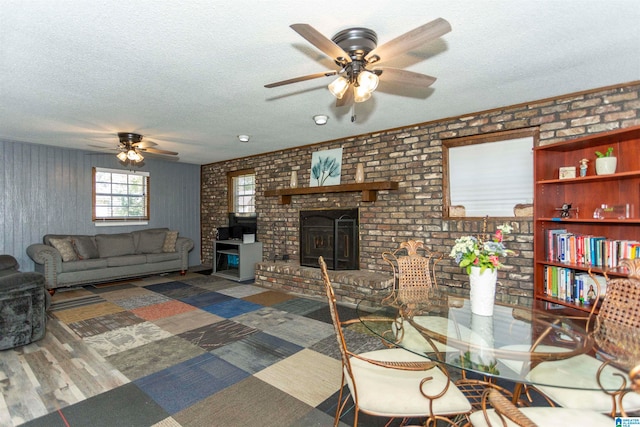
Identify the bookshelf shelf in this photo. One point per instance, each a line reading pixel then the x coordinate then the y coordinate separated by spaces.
pixel 629 221
pixel 586 194
pixel 592 178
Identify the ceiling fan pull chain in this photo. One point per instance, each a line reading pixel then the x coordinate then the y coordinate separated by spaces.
pixel 353 112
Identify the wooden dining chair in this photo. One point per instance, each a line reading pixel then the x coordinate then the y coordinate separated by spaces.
pixel 392 382
pixel 498 411
pixel 414 282
pixel 634 375
pixel 414 277
pixel 616 336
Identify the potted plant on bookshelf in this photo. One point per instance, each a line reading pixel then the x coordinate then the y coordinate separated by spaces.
pixel 480 258
pixel 606 162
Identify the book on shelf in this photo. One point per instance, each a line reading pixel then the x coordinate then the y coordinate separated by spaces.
pixel 552 244
pixel 584 249
pixel 568 285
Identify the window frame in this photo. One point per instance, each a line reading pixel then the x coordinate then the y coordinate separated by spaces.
pixel 502 136
pixel 120 220
pixel 231 189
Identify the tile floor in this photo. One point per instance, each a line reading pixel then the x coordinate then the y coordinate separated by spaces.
pixel 190 350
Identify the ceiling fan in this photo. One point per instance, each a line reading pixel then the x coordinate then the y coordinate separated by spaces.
pixel 131 148
pixel 356 52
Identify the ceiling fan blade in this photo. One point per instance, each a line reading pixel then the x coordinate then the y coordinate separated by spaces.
pixel 410 40
pixel 144 144
pixel 302 78
pixel 161 156
pixel 158 151
pixel 102 147
pixel 404 77
pixel 347 98
pixel 327 46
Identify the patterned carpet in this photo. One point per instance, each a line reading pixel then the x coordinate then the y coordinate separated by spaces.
pixel 184 351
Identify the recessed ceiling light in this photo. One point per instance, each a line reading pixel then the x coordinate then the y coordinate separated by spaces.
pixel 320 119
pixel 243 138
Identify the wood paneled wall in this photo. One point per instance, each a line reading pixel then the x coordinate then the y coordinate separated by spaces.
pixel 46 189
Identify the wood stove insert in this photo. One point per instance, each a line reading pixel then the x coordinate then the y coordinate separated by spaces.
pixel 332 234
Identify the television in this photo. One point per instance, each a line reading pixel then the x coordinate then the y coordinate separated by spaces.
pixel 240 224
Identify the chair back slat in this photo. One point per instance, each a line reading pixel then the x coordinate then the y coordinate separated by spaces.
pixel 617 325
pixel 413 272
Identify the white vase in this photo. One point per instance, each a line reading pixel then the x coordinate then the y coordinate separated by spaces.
pixel 483 291
pixel 294 179
pixel 359 173
pixel 606 165
pixel 482 340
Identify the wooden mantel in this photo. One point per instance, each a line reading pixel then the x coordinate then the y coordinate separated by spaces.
pixel 369 190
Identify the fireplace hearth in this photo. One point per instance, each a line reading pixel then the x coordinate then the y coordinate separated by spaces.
pixel 332 234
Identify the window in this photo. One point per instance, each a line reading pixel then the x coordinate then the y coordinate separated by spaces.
pixel 120 195
pixel 242 191
pixel 489 175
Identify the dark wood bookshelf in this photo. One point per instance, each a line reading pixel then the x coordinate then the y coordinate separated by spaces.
pixel 586 194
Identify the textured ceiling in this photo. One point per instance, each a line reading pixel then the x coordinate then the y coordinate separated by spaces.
pixel 190 75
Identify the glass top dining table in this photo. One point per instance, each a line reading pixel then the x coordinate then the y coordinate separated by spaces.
pixel 507 345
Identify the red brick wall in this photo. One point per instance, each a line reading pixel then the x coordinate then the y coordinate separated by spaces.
pixel 412 156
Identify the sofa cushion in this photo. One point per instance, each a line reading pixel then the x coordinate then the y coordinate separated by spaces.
pixel 87 264
pixel 85 247
pixel 115 245
pixel 150 242
pixel 170 241
pixel 122 261
pixel 65 247
pixel 165 256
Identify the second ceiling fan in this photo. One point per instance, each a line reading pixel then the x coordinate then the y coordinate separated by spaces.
pixel 132 146
pixel 356 52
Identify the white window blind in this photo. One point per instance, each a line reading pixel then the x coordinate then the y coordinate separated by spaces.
pixel 490 178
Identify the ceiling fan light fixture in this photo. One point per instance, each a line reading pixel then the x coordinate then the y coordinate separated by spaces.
pixel 360 94
pixel 132 155
pixel 321 119
pixel 368 81
pixel 122 156
pixel 339 87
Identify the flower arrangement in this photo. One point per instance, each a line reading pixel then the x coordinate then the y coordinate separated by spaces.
pixel 471 251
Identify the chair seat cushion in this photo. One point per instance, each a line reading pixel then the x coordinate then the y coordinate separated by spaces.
pixel 396 393
pixel 520 351
pixel 413 340
pixel 580 372
pixel 547 417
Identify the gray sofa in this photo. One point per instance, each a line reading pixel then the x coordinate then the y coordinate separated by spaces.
pixel 67 260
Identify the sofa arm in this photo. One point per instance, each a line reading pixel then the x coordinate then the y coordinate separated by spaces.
pixel 183 246
pixel 48 262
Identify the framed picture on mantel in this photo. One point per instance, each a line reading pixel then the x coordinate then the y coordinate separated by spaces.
pixel 326 167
